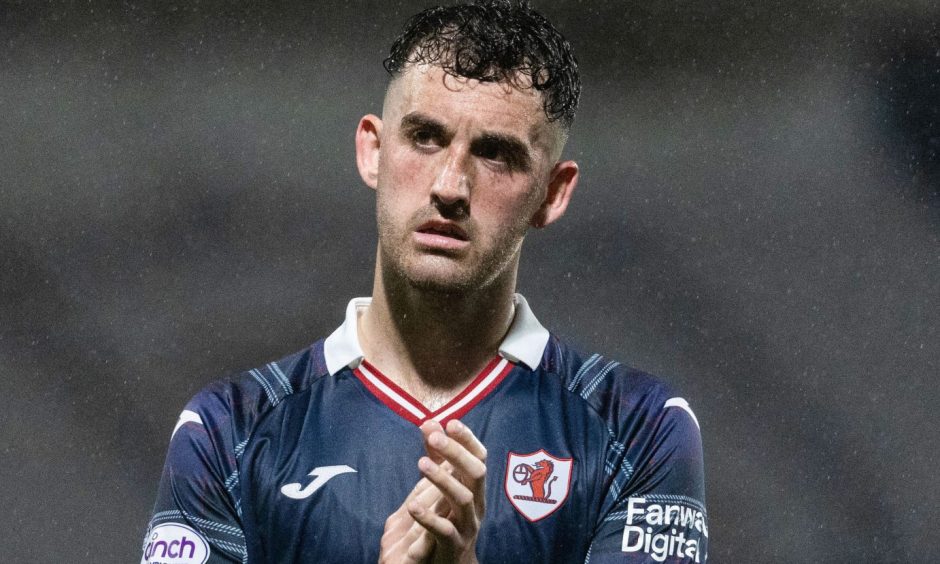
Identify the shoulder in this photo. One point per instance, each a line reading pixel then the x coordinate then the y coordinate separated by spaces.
pixel 618 392
pixel 234 404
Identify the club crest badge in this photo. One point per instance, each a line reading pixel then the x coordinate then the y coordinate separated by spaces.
pixel 537 484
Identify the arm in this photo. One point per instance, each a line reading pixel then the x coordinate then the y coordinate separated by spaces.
pixel 195 518
pixel 655 509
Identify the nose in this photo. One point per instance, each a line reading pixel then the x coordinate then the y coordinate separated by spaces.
pixel 451 190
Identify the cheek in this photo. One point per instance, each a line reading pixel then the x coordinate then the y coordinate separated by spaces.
pixel 394 192
pixel 511 205
pixel 391 212
pixel 402 170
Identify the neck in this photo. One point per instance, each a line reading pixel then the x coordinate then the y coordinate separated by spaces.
pixel 432 343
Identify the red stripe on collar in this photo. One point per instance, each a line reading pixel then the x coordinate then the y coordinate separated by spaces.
pixel 406 406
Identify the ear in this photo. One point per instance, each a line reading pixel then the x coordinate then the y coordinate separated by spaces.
pixel 561 183
pixel 368 143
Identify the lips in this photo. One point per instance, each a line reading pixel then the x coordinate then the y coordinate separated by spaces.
pixel 439 236
pixel 443 229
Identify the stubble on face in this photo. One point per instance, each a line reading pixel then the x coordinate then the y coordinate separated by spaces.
pixel 439 272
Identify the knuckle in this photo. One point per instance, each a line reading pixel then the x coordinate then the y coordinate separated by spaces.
pixel 450 531
pixel 478 471
pixel 464 497
pixel 414 552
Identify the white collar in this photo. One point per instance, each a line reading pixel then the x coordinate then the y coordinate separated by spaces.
pixel 524 342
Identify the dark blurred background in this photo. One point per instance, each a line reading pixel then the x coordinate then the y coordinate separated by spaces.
pixel 757 222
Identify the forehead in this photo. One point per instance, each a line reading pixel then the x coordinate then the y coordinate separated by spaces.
pixel 463 102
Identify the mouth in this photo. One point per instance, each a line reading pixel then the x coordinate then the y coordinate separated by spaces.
pixel 443 229
pixel 441 237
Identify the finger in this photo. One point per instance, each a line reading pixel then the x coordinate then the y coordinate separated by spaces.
pixel 428 427
pixel 398 523
pixel 397 527
pixel 403 535
pixel 463 435
pixel 468 467
pixel 461 498
pixel 421 544
pixel 418 539
pixel 413 548
pixel 438 526
pixel 398 532
pixel 423 487
pixel 430 497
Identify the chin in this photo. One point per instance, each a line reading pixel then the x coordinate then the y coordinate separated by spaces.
pixel 441 274
pixel 440 282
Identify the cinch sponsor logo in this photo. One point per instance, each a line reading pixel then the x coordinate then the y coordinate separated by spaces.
pixel 173 543
pixel 685 524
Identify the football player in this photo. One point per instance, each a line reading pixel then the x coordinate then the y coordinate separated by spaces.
pixel 441 422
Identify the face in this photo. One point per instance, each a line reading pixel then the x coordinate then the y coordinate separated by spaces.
pixel 461 170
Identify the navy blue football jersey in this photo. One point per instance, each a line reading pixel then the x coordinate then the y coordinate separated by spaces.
pixel 302 460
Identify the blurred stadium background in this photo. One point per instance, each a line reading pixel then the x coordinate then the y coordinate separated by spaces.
pixel 758 222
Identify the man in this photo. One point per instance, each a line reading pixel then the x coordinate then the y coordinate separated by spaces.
pixel 441 422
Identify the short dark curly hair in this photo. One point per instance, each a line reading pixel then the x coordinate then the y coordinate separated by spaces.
pixel 493 41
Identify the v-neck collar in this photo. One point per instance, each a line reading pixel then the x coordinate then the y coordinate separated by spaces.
pixel 524 343
pixel 405 405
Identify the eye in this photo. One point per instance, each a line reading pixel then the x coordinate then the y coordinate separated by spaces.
pixel 491 151
pixel 424 138
pixel 501 152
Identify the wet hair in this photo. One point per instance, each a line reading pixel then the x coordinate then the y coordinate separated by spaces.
pixel 494 41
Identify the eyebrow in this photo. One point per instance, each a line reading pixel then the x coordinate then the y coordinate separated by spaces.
pixel 515 150
pixel 416 120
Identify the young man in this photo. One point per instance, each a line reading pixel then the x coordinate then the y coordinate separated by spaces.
pixel 441 422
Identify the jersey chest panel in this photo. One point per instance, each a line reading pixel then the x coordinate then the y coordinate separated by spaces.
pixel 352 461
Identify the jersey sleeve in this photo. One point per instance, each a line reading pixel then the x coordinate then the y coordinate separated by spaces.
pixel 654 509
pixel 196 518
